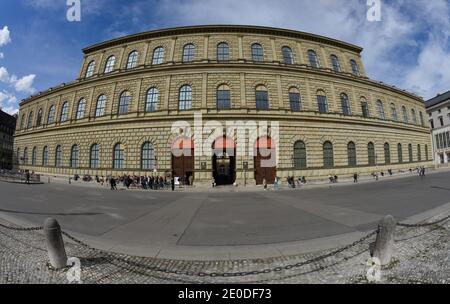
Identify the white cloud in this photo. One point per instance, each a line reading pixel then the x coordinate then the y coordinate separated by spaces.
pixel 8 102
pixel 4 36
pixel 4 75
pixel 25 84
pixel 2 55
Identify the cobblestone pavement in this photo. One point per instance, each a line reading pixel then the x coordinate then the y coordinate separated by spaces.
pixel 421 255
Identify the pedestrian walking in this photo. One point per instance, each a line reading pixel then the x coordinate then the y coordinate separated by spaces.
pixel 355 178
pixel 276 183
pixel 112 181
pixel 191 180
pixel 27 176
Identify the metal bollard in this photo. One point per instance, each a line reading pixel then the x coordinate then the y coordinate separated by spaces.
pixel 55 244
pixel 384 242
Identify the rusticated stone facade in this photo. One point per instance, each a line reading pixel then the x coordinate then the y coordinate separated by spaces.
pixel 279 73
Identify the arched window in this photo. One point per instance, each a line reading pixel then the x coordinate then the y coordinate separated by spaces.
pixel 25 156
pixel 94 157
pixel 189 52
pixel 387 154
pixel 262 98
pixel 30 120
pixel 313 60
pixel 158 55
pixel 257 52
pixel 33 156
pixel 288 57
pixel 124 102
pixel 351 152
pixel 64 112
pixel 335 63
pixel 90 69
pixel 414 117
pixel 400 153
pixel 419 153
pixel 410 153
pixel 223 97
pixel 394 112
pixel 185 98
pixel 148 160
pixel 151 102
pixel 405 114
pixel 426 153
pixel 81 108
pixel 345 104
pixel 300 155
pixel 371 154
pixel 51 115
pixel 22 122
pixel 118 157
pixel 380 109
pixel 355 68
pixel 223 51
pixel 422 122
pixel 109 67
pixel 74 153
pixel 39 118
pixel 295 100
pixel 58 157
pixel 328 155
pixel 100 106
pixel 45 156
pixel 132 60
pixel 364 107
pixel 322 101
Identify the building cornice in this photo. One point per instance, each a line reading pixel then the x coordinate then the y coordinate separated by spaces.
pixel 209 29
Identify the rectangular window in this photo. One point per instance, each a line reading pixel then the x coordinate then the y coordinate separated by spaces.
pixel 262 100
pixel 322 103
pixel 432 124
pixel 365 109
pixel 223 99
pixel 294 100
pixel 441 121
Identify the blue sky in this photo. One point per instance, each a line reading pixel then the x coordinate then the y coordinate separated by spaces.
pixel 39 48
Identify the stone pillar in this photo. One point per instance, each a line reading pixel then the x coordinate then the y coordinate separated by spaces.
pixel 384 243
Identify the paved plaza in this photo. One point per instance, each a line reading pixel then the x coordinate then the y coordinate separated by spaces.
pixel 209 225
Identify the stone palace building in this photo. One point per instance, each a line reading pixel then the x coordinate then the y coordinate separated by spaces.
pixel 324 115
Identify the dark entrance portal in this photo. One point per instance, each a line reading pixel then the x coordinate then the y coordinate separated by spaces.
pixel 224 161
pixel 264 160
pixel 183 159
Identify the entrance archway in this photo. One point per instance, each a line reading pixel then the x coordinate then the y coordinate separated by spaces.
pixel 224 161
pixel 183 158
pixel 265 160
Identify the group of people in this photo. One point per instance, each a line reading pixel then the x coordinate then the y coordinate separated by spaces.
pixel 144 182
pixel 421 171
pixel 333 179
pixel 293 183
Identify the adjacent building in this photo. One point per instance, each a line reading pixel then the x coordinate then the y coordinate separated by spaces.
pixel 438 109
pixel 7 127
pixel 324 115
